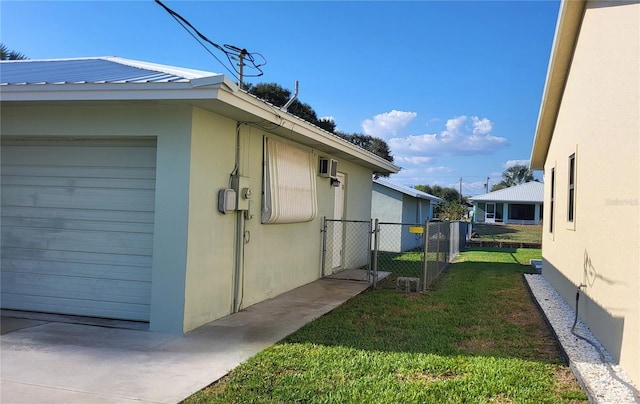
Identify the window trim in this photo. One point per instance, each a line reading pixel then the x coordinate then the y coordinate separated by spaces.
pixel 571 189
pixel 552 200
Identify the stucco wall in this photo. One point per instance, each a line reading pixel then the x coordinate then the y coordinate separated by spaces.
pixel 211 242
pixel 599 121
pixel 280 257
pixel 171 126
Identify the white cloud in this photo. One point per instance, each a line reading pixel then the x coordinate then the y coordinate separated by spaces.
pixel 387 124
pixel 327 118
pixel 459 138
pixel 511 163
pixel 481 126
pixel 399 160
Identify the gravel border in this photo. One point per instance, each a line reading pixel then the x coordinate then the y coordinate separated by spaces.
pixel 603 381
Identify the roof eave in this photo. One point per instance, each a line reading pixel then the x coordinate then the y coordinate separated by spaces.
pixel 209 93
pixel 567 29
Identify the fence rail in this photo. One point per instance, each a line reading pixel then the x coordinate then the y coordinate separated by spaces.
pixel 390 255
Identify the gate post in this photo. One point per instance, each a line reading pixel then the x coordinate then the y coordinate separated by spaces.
pixel 438 249
pixel 374 258
pixel 425 250
pixel 323 230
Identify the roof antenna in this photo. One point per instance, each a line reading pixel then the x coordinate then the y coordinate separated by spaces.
pixel 291 100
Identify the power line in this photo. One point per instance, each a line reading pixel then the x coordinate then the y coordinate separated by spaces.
pixel 231 52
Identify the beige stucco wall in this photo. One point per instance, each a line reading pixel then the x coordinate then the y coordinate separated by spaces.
pixel 599 120
pixel 280 257
pixel 210 242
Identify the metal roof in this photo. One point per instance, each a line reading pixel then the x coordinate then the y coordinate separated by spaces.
pixel 407 190
pixel 113 79
pixel 528 192
pixel 93 70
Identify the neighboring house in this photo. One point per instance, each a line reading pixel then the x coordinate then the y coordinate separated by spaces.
pixel 520 204
pixel 136 191
pixel 393 203
pixel 587 142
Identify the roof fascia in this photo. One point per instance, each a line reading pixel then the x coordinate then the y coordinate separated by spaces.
pixel 567 30
pixel 202 92
pixel 287 125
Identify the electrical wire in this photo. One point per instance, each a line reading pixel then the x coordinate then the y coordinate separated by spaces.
pixel 574 332
pixel 230 51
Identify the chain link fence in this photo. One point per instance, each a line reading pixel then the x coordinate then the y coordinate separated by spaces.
pixel 346 250
pixel 390 255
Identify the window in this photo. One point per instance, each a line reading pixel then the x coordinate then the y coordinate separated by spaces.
pixel 289 189
pixel 521 211
pixel 552 198
pixel 572 188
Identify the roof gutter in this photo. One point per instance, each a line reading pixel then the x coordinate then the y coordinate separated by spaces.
pixel 567 30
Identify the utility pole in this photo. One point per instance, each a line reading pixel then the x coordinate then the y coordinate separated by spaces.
pixel 241 54
pixel 487 184
pixel 461 190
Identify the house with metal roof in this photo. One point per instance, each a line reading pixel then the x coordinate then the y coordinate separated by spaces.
pixel 161 195
pixel 587 142
pixel 404 206
pixel 520 204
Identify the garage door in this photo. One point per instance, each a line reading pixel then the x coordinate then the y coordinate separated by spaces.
pixel 77 226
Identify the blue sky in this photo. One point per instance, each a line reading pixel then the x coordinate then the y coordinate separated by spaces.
pixel 454 87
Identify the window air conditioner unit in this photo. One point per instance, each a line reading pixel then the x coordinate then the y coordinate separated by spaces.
pixel 328 168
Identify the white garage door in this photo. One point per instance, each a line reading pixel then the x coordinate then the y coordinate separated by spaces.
pixel 77 226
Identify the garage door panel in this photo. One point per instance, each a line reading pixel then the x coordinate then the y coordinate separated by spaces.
pixel 82 198
pixel 77 226
pixel 82 156
pixel 41 267
pixel 72 224
pixel 75 257
pixel 83 308
pixel 76 214
pixel 78 182
pixel 70 240
pixel 93 289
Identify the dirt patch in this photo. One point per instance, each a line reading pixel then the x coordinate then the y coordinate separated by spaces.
pixel 428 377
pixel 476 345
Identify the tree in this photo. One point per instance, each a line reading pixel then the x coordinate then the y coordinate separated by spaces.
pixel 277 95
pixel 451 211
pixel 514 175
pixel 447 193
pixel 373 144
pixel 455 205
pixel 7 54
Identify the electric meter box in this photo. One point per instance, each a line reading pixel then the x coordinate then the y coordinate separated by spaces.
pixel 243 190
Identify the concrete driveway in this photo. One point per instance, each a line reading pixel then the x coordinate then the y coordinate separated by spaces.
pixel 52 362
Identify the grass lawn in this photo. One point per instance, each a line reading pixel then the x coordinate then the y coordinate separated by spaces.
pixel 476 337
pixel 508 232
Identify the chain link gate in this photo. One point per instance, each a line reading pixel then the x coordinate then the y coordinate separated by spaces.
pixel 346 250
pixel 392 253
pixel 399 253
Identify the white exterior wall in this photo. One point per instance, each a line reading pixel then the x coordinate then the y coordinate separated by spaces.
pixel 599 121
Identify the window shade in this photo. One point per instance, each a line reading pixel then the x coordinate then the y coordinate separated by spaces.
pixel 289 184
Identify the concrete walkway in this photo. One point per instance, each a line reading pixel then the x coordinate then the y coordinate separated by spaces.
pixel 52 362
